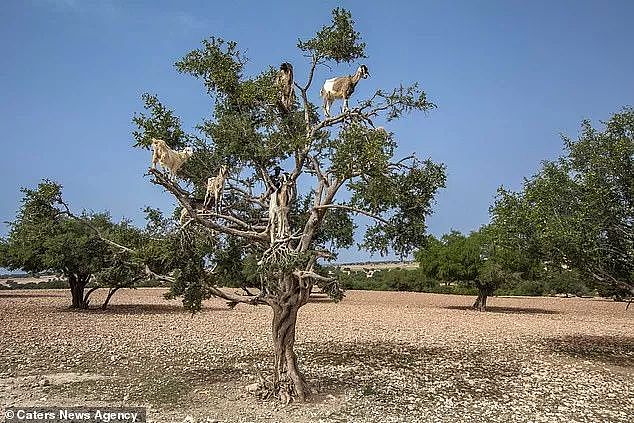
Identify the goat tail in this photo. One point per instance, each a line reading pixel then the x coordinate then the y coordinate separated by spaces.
pixel 322 93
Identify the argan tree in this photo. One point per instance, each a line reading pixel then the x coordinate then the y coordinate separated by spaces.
pixel 46 236
pixel 578 212
pixel 473 259
pixel 285 218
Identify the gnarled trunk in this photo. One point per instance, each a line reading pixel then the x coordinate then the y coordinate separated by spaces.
pixel 481 302
pixel 77 286
pixel 289 381
pixel 288 378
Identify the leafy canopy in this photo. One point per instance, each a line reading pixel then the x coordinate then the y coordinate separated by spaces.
pixel 321 157
pixel 578 211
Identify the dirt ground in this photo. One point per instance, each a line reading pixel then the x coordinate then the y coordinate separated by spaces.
pixel 375 357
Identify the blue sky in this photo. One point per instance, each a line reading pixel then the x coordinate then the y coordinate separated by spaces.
pixel 508 77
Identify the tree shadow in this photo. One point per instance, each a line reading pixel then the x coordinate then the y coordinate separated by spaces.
pixel 320 299
pixel 8 294
pixel 616 350
pixel 507 310
pixel 359 367
pixel 144 309
pixel 213 375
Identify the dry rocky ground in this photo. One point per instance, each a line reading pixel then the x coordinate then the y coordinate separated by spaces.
pixel 375 357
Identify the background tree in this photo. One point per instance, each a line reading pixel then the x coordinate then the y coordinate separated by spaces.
pixel 479 260
pixel 321 159
pixel 45 237
pixel 577 212
pixel 452 258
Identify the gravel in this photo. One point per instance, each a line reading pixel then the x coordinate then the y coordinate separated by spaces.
pixel 374 357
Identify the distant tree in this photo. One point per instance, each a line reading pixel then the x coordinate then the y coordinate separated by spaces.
pixel 451 258
pixel 578 211
pixel 475 259
pixel 44 237
pixel 276 219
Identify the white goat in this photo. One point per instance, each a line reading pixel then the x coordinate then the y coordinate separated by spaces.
pixel 169 159
pixel 215 186
pixel 278 210
pixel 341 87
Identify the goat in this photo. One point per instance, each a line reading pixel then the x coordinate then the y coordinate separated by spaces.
pixel 284 81
pixel 169 159
pixel 215 186
pixel 275 178
pixel 341 87
pixel 279 208
pixel 198 206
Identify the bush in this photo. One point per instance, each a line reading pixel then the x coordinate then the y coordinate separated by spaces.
pixel 567 283
pixel 401 280
pixel 528 288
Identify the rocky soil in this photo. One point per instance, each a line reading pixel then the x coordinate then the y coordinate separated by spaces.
pixel 375 357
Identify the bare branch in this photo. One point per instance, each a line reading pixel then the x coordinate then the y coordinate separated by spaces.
pixel 302 274
pixel 311 73
pixel 353 209
pixel 89 225
pixel 183 198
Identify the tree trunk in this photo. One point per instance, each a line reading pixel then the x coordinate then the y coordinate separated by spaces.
pixel 90 291
pixel 111 292
pixel 481 302
pixel 77 286
pixel 288 379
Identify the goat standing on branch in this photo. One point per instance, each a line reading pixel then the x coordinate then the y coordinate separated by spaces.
pixel 169 159
pixel 215 186
pixel 284 81
pixel 341 87
pixel 279 208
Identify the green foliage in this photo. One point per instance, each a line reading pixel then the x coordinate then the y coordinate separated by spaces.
pixel 168 250
pixel 402 100
pixel 339 41
pixel 455 257
pixel 336 230
pixel 47 284
pixel 567 281
pixel 45 237
pixel 251 135
pixel 477 260
pixel 42 238
pixel 361 150
pixel 160 123
pixel 577 212
pixel 400 280
pixel 219 64
pixel 406 197
pixel 191 284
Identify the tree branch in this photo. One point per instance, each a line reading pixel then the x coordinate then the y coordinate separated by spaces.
pixel 303 274
pixel 86 223
pixel 183 198
pixel 353 209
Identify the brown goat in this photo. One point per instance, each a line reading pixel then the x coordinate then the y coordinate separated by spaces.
pixel 284 81
pixel 341 87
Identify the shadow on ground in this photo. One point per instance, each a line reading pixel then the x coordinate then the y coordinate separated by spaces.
pixel 143 309
pixel 8 294
pixel 380 368
pixel 613 350
pixel 507 310
pixel 320 299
